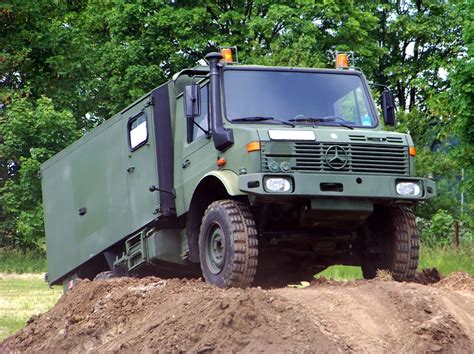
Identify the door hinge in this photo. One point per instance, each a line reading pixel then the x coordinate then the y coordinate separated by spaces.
pixel 150 102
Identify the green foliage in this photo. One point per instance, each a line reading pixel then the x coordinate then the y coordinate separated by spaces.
pixel 32 133
pixel 462 101
pixel 437 216
pixel 447 259
pixel 441 229
pixel 19 262
pixel 92 58
pixel 446 172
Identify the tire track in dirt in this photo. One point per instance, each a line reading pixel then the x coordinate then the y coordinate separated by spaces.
pixel 386 316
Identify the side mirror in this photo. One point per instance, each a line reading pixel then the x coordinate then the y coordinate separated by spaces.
pixel 388 107
pixel 192 98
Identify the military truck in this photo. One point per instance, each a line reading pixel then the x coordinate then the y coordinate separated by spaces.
pixel 237 170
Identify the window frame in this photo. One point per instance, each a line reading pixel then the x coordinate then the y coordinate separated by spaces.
pixel 191 125
pixel 131 120
pixel 364 86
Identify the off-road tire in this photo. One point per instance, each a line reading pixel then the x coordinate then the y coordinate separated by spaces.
pixel 236 263
pixel 396 232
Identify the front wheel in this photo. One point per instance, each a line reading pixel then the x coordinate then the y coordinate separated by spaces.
pixel 228 246
pixel 394 232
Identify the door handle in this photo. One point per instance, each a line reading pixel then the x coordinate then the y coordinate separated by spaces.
pixel 186 163
pixel 131 169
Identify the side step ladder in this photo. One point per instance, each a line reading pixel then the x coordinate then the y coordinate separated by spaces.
pixel 135 252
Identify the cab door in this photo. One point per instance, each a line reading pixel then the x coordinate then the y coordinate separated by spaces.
pixel 199 154
pixel 141 168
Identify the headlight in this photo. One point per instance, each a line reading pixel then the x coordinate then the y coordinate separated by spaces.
pixel 278 184
pixel 409 189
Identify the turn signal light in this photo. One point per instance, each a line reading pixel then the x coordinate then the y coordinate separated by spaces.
pixel 221 162
pixel 253 146
pixel 412 151
pixel 227 55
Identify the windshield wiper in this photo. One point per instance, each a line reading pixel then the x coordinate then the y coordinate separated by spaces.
pixel 332 119
pixel 260 119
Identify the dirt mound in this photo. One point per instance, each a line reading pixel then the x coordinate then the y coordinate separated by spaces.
pixel 458 281
pixel 382 315
pixel 169 315
pixel 428 276
pixel 152 314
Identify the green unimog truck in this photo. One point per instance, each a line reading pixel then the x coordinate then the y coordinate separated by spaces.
pixel 237 171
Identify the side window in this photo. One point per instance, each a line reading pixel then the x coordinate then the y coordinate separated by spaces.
pixel 137 131
pixel 353 108
pixel 203 119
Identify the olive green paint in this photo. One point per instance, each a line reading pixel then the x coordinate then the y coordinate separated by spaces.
pixel 165 245
pixel 100 175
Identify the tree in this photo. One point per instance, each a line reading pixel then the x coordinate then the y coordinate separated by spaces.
pixel 93 58
pixel 33 132
pixel 462 102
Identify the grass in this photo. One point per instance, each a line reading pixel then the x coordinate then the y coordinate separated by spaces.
pixel 339 272
pixel 17 262
pixel 447 259
pixel 21 296
pixel 444 258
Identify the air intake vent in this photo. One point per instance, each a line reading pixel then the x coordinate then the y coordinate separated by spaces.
pixel 377 139
pixel 357 137
pixel 395 139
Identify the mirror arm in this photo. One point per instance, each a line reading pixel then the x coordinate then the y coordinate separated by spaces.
pixel 207 132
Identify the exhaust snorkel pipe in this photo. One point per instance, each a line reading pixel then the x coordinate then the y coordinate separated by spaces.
pixel 223 138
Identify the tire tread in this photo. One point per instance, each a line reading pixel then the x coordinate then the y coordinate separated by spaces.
pixel 245 242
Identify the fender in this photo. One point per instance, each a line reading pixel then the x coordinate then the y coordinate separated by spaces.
pixel 213 186
pixel 228 178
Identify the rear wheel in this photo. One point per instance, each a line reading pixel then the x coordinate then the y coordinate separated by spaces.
pixel 228 244
pixel 394 233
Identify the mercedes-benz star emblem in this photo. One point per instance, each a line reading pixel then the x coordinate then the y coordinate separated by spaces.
pixel 336 157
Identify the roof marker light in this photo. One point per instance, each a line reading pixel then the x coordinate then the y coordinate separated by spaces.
pixel 342 60
pixel 227 55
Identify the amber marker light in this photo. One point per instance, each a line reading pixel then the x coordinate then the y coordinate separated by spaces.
pixel 221 161
pixel 342 60
pixel 412 151
pixel 227 55
pixel 253 146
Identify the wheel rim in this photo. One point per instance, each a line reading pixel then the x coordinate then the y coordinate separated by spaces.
pixel 215 247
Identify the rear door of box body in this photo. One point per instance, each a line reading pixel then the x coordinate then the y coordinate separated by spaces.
pixel 85 196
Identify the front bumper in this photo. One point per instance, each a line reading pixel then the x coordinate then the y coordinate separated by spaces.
pixel 333 185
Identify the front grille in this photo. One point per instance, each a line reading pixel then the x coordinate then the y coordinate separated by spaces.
pixel 386 159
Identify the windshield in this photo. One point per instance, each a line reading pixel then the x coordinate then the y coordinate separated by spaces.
pixel 298 98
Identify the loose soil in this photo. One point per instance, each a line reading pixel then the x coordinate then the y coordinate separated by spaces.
pixel 153 314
